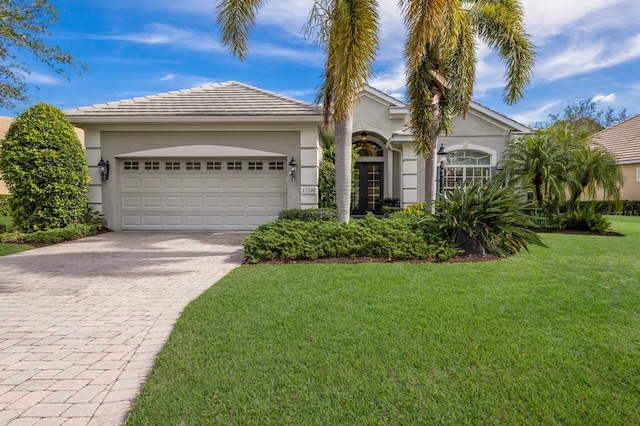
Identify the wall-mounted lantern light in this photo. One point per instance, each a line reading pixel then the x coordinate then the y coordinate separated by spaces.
pixel 442 155
pixel 363 137
pixel 104 167
pixel 293 168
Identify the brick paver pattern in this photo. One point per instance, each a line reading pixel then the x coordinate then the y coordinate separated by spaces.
pixel 81 323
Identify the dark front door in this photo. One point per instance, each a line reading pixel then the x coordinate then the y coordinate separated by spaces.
pixel 369 178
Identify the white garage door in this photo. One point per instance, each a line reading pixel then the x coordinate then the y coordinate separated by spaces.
pixel 199 194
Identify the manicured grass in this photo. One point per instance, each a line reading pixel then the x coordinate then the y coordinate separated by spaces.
pixel 547 337
pixel 6 249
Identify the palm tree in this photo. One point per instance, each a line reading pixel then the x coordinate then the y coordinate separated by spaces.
pixel 441 69
pixel 538 162
pixel 593 169
pixel 348 32
pixel 440 55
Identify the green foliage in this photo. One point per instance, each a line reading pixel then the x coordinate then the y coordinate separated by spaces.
pixel 536 162
pixel 25 28
pixel 327 179
pixel 491 218
pixel 394 238
pixel 586 219
pixel 4 204
pixel 583 117
pixel 44 166
pixel 51 236
pixel 93 217
pixel 308 215
pixel 418 208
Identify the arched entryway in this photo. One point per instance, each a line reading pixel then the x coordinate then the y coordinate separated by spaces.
pixel 369 175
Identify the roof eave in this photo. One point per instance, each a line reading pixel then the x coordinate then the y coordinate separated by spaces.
pixel 132 119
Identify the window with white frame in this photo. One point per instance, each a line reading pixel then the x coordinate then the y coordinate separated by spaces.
pixel 466 167
pixel 192 165
pixel 638 174
pixel 131 165
pixel 214 165
pixel 152 165
pixel 234 165
pixel 276 165
pixel 172 165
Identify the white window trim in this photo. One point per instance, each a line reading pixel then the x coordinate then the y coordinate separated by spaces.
pixel 638 174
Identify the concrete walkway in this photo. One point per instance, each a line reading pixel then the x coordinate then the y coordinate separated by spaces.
pixel 82 322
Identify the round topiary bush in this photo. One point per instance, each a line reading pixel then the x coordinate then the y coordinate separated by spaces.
pixel 43 164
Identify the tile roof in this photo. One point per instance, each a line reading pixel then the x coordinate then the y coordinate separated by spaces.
pixel 622 140
pixel 229 99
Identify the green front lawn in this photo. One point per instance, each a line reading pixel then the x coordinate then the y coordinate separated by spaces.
pixel 547 337
pixel 6 249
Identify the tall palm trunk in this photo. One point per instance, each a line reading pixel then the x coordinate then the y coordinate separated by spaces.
pixel 343 130
pixel 432 162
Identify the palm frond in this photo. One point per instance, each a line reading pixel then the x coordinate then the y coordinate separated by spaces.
pixel 237 18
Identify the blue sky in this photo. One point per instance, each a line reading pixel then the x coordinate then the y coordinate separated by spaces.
pixel 585 49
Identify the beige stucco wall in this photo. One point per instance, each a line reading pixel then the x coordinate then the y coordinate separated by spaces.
pixel 631 188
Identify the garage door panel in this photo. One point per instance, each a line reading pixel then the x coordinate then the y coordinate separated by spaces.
pixel 193 183
pixel 193 221
pixel 276 202
pixel 151 220
pixel 132 202
pixel 189 198
pixel 132 183
pixel 152 202
pixel 172 202
pixel 130 220
pixel 235 202
pixel 171 220
pixel 193 201
pixel 214 202
pixel 152 183
pixel 172 183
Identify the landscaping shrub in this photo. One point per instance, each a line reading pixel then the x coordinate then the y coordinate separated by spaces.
pixel 585 219
pixel 489 218
pixel 44 167
pixel 4 204
pixel 398 238
pixel 51 236
pixel 309 215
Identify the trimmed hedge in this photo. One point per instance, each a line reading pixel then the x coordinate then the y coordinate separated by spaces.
pixel 395 238
pixel 51 236
pixel 309 215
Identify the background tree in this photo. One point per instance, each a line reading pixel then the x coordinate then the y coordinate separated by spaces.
pixel 441 68
pixel 583 119
pixel 536 162
pixel 24 26
pixel 594 169
pixel 43 164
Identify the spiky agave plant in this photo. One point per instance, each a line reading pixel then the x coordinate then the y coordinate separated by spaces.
pixel 487 218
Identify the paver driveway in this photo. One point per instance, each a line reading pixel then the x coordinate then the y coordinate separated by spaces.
pixel 82 322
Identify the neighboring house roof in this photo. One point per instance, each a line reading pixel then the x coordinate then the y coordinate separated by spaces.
pixel 622 140
pixel 229 101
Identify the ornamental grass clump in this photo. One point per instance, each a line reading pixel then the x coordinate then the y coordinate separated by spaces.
pixel 488 218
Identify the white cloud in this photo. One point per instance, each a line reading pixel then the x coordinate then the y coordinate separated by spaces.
pixel 168 77
pixel 166 34
pixel 43 79
pixel 548 18
pixel 605 99
pixel 588 55
pixel 539 114
pixel 391 81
